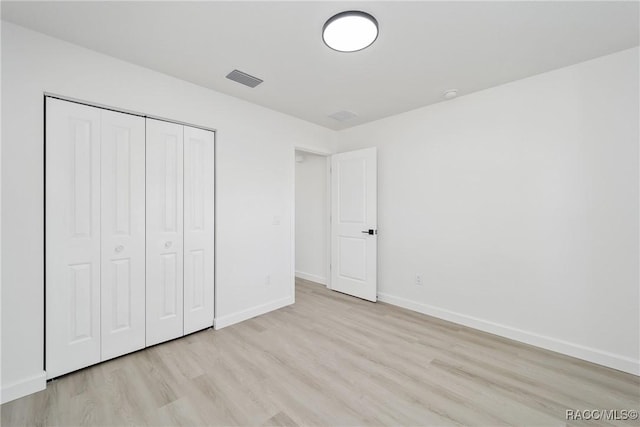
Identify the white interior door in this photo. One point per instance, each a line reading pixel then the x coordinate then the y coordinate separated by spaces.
pixel 198 229
pixel 354 223
pixel 123 234
pixel 164 215
pixel 72 219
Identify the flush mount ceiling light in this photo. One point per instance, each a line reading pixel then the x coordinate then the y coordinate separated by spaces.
pixel 350 31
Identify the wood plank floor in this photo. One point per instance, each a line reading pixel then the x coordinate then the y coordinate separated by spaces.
pixel 332 360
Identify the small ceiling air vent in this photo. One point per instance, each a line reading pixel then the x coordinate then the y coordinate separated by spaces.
pixel 244 78
pixel 342 116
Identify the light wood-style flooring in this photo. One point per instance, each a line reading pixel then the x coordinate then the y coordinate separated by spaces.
pixel 333 360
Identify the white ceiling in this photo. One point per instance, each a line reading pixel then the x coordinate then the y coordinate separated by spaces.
pixel 423 49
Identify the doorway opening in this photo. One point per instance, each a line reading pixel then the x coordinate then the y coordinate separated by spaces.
pixel 335 213
pixel 312 213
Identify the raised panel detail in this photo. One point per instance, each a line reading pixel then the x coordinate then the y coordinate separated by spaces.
pixel 353 255
pixel 170 183
pixel 169 284
pixel 82 177
pixel 352 207
pixel 123 181
pixel 198 277
pixel 80 319
pixel 196 175
pixel 121 308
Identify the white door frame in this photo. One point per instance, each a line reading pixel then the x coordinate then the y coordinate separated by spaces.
pixel 327 155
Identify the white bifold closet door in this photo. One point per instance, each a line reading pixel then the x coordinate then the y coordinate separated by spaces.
pixel 123 234
pixel 180 230
pixel 129 202
pixel 198 229
pixel 94 217
pixel 72 203
pixel 164 231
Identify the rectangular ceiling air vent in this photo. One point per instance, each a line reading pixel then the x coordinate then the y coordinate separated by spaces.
pixel 342 116
pixel 244 78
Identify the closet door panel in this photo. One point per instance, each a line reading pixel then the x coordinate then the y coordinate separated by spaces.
pixel 198 229
pixel 123 233
pixel 164 295
pixel 72 220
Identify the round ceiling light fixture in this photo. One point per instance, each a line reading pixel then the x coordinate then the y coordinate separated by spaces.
pixel 350 31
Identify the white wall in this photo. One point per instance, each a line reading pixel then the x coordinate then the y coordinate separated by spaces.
pixel 311 218
pixel 518 204
pixel 254 199
pixel 519 207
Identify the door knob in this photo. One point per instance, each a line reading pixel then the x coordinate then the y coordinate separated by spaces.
pixel 370 231
pixel 167 245
pixel 119 248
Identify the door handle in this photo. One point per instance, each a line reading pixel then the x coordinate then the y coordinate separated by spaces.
pixel 119 248
pixel 370 231
pixel 167 244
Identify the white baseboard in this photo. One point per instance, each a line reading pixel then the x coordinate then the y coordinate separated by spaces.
pixel 231 319
pixel 312 277
pixel 23 387
pixel 601 357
